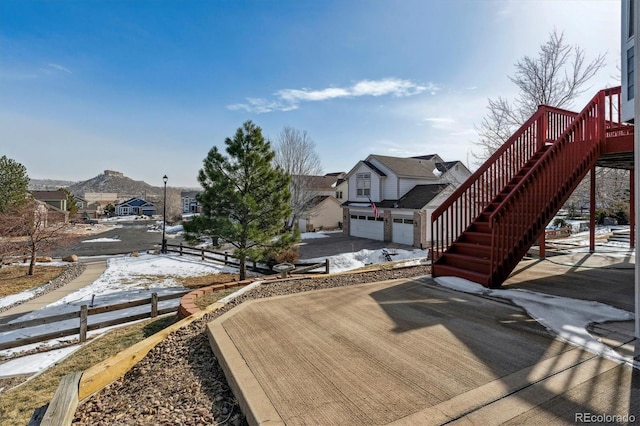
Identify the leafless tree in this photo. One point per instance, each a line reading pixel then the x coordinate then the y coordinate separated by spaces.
pixel 33 229
pixel 556 77
pixel 296 154
pixel 612 192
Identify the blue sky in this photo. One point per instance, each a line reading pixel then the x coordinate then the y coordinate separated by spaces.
pixel 148 87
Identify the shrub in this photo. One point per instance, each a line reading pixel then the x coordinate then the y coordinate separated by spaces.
pixel 560 222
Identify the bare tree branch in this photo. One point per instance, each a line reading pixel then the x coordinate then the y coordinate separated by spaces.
pixel 556 77
pixel 296 154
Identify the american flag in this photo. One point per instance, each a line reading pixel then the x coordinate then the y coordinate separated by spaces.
pixel 376 213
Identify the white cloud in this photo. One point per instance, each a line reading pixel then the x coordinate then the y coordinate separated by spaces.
pixel 440 122
pixel 289 99
pixel 60 68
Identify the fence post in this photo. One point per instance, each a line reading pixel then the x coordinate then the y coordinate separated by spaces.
pixel 83 323
pixel 202 254
pixel 326 265
pixel 226 257
pixel 180 249
pixel 154 305
pixel 254 265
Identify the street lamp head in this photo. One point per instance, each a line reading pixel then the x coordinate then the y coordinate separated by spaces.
pixel 165 179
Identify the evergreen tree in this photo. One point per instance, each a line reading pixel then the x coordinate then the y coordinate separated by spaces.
pixel 72 203
pixel 245 198
pixel 13 184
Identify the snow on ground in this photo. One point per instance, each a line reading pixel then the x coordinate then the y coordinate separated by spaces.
pixel 348 261
pixel 568 318
pixel 127 278
pixel 145 272
pixel 102 240
pixel 176 229
pixel 312 235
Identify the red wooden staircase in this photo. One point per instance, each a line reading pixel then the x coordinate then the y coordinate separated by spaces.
pixel 489 223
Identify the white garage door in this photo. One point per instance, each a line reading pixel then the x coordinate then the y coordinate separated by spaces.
pixel 366 227
pixel 402 231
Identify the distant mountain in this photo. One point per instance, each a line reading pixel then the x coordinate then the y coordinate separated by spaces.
pixel 116 182
pixel 48 184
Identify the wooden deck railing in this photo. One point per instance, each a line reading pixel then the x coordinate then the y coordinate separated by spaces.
pixel 466 203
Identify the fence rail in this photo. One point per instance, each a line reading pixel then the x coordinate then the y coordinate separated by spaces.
pixel 84 313
pixel 227 259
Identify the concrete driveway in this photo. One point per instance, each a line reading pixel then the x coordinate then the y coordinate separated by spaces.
pixel 337 243
pixel 409 352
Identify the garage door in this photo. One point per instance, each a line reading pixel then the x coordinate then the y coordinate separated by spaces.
pixel 366 227
pixel 402 231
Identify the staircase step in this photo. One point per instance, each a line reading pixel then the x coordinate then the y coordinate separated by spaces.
pixel 439 270
pixel 481 227
pixel 475 238
pixel 464 261
pixel 482 251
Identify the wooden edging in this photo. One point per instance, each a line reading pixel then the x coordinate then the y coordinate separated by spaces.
pixel 77 387
pixel 100 375
pixel 62 407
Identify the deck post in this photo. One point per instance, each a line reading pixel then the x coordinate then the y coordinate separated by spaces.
pixel 83 323
pixel 636 159
pixel 592 212
pixel 632 209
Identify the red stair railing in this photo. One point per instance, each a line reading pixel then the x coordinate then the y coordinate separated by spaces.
pixel 522 216
pixel 466 203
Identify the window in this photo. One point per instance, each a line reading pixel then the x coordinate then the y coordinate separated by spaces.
pixel 354 216
pixel 408 221
pixel 363 184
pixel 397 220
pixel 631 18
pixel 362 217
pixel 371 218
pixel 630 77
pixel 339 195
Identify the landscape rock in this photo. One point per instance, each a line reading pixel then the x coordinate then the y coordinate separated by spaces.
pixel 71 258
pixel 180 380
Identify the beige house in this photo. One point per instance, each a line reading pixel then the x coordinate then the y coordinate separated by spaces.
pixel 323 196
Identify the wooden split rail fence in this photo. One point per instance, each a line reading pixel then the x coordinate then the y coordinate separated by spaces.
pixel 83 315
pixel 227 259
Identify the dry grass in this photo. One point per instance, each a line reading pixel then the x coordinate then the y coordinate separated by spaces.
pixel 17 405
pixel 14 279
pixel 207 280
pixel 206 300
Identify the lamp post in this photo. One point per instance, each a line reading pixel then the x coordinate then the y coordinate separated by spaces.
pixel 164 215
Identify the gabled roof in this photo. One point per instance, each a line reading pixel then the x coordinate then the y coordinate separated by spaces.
pixel 413 167
pixel 189 194
pixel 421 195
pixel 417 198
pixel 445 166
pixel 374 168
pixel 321 183
pixel 315 201
pixel 426 157
pixel 137 202
pixel 49 195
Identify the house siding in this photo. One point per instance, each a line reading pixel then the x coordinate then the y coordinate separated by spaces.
pixel 375 185
pixel 406 185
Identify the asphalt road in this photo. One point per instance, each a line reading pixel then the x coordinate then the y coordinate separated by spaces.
pixel 135 236
pixel 132 236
